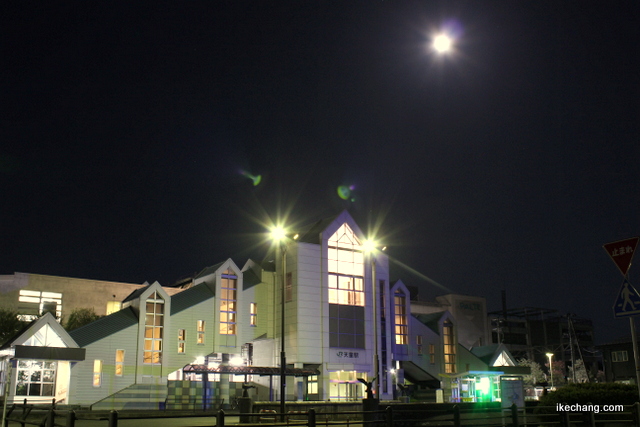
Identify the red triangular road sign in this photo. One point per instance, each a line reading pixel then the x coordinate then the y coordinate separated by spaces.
pixel 621 252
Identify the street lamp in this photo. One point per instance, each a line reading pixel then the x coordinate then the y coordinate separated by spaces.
pixel 369 247
pixel 442 43
pixel 550 356
pixel 278 235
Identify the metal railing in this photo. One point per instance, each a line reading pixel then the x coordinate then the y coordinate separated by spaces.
pixel 406 415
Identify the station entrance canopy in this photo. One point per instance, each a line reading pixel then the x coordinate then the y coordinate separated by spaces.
pixel 249 370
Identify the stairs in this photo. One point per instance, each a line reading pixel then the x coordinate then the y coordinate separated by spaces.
pixel 136 396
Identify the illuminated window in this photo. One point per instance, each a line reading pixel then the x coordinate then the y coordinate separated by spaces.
pixel 182 336
pixel 97 373
pixel 419 344
pixel 35 303
pixel 153 329
pixel 200 326
pixel 400 312
pixel 449 348
pixel 113 306
pixel 119 363
pixel 619 356
pixel 432 354
pixel 253 312
pixel 346 268
pixel 312 384
pixel 36 378
pixel 228 288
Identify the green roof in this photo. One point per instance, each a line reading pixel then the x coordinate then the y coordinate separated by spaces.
pixel 209 270
pixel 135 294
pixel 430 320
pixel 104 326
pixel 190 297
pixel 250 279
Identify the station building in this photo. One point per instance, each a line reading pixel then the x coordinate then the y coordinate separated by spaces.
pixel 197 344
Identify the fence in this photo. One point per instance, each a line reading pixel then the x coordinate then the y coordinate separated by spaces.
pixel 399 415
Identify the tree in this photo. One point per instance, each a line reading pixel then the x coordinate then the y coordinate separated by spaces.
pixel 581 372
pixel 10 324
pixel 537 374
pixel 80 317
pixel 559 373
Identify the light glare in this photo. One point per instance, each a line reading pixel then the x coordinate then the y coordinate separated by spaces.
pixel 369 245
pixel 442 43
pixel 278 233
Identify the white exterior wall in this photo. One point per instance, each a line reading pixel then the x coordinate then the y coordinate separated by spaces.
pixel 187 320
pixel 310 297
pixel 428 337
pixel 81 390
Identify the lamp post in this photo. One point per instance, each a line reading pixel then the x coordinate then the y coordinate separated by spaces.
pixel 550 356
pixel 370 247
pixel 278 235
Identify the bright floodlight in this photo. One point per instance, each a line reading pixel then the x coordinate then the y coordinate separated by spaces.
pixel 236 361
pixel 369 245
pixel 278 233
pixel 442 43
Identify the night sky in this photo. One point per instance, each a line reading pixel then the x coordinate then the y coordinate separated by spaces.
pixel 506 164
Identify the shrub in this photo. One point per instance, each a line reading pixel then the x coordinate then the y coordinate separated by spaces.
pixel 595 393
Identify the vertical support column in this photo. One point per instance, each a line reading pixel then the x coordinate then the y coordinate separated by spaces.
pixel 389 416
pixel 456 416
pixel 514 415
pixel 224 388
pixel 636 356
pixel 113 419
pixel 71 419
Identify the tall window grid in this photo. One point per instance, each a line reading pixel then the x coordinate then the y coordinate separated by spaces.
pixel 97 373
pixel 153 329
pixel 449 348
pixel 119 363
pixel 200 329
pixel 346 268
pixel 182 337
pixel 401 323
pixel 228 287
pixel 253 313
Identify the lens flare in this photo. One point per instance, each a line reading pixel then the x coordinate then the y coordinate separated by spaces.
pixel 256 179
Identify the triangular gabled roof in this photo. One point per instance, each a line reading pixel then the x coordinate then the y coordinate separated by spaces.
pixel 46 322
pixel 312 233
pixel 490 354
